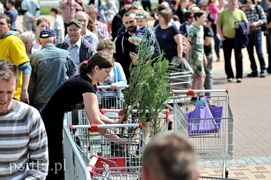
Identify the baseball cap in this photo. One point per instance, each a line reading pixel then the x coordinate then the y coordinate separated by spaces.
pixel 77 23
pixel 46 33
pixel 141 14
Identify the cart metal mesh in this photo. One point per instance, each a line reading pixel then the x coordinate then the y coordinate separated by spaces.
pixel 124 153
pixel 179 79
pixel 75 167
pixel 110 99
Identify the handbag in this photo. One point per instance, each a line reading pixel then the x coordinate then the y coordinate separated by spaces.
pixel 201 119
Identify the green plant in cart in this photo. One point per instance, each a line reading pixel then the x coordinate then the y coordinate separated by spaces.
pixel 148 90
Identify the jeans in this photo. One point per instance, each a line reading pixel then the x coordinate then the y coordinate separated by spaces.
pixel 255 39
pixel 208 84
pixel 228 45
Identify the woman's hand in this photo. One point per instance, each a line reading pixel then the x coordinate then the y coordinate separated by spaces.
pixel 121 120
pixel 114 86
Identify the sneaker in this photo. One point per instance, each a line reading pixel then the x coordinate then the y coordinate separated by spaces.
pixel 253 74
pixel 263 74
pixel 239 80
pixel 230 79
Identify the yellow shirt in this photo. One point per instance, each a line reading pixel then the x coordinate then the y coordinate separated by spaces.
pixel 226 20
pixel 13 50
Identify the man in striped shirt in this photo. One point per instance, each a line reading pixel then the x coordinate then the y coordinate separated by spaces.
pixel 256 17
pixel 23 139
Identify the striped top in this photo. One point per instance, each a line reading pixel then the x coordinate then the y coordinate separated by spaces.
pixel 23 143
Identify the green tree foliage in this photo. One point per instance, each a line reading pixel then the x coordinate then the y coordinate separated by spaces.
pixel 148 89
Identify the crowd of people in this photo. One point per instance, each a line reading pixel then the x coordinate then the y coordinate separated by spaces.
pixel 57 68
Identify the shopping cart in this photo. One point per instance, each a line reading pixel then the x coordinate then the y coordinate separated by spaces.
pixel 77 166
pixel 179 80
pixel 110 99
pixel 211 144
pixel 122 155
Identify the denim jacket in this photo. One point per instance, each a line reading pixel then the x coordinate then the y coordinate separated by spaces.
pixel 51 66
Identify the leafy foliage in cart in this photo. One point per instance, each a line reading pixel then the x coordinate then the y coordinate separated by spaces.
pixel 148 89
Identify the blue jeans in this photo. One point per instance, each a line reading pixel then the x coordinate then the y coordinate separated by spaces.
pixel 255 39
pixel 208 84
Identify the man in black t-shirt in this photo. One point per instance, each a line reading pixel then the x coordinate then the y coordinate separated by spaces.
pixel 208 36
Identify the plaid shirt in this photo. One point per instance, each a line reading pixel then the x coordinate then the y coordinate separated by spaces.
pixel 69 10
pixel 253 16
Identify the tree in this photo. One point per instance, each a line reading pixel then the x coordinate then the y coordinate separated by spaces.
pixel 148 90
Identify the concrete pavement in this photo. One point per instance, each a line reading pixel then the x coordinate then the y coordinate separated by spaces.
pixel 249 102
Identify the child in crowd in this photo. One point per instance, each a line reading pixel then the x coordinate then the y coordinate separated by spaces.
pixel 144 33
pixel 58 25
pixel 196 54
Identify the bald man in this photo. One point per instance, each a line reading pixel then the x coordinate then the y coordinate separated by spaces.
pixel 51 66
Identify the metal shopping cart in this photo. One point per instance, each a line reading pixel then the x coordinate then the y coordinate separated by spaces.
pixel 210 144
pixel 110 99
pixel 122 157
pixel 180 79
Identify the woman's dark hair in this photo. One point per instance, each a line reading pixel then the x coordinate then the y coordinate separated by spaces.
pixel 8 70
pixel 101 59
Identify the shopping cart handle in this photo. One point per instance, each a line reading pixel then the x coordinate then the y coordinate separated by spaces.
pixel 191 92
pixel 108 86
pixel 103 126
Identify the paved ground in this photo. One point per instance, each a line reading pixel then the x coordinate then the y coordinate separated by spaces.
pixel 249 102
